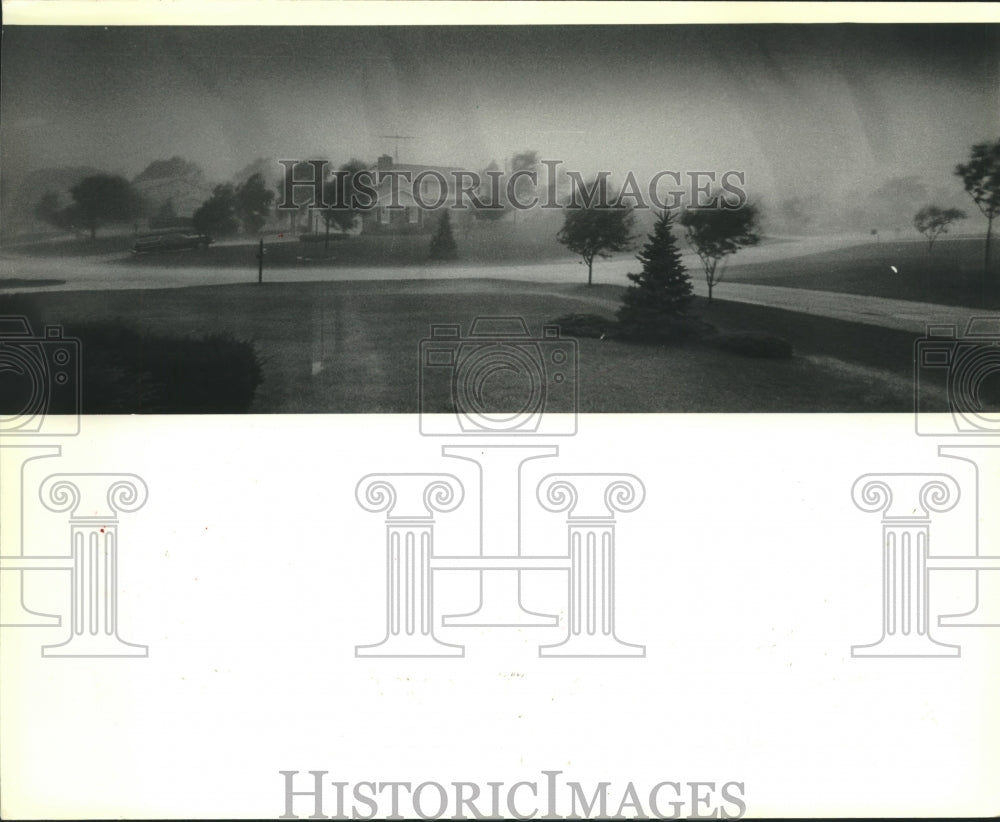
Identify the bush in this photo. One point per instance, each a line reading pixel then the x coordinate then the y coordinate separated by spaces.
pixel 586 325
pixel 668 329
pixel 124 371
pixel 749 344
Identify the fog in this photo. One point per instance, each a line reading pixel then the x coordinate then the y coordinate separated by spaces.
pixel 821 112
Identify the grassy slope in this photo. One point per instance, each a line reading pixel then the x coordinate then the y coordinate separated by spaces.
pixel 952 275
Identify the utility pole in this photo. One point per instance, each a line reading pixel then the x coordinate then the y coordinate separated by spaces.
pixel 260 262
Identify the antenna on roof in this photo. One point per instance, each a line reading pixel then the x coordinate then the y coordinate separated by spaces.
pixel 397 138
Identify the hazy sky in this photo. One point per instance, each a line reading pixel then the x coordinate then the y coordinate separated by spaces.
pixel 794 106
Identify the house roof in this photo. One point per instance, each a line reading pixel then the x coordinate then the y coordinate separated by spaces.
pixel 416 169
pixel 405 187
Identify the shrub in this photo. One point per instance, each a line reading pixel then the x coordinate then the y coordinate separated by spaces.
pixel 586 325
pixel 750 344
pixel 679 328
pixel 668 329
pixel 123 371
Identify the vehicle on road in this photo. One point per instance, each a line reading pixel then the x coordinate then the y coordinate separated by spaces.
pixel 171 241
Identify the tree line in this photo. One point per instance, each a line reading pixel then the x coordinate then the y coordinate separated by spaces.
pixel 104 199
pixel 715 234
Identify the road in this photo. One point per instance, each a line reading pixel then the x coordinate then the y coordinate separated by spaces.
pixel 111 273
pixel 116 272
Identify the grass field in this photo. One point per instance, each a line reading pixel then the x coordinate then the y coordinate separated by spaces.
pixel 951 275
pixel 484 243
pixel 353 347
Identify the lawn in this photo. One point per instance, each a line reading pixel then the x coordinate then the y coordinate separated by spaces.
pixel 951 275
pixel 349 347
pixel 487 243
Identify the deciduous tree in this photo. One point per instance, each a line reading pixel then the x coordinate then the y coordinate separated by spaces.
pixel 253 203
pixel 104 198
pixel 933 221
pixel 981 178
pixel 715 234
pixel 597 230
pixel 217 215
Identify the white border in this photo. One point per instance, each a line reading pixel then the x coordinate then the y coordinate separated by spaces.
pixel 486 12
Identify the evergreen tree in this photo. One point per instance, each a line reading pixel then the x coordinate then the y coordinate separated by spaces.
pixel 660 293
pixel 443 242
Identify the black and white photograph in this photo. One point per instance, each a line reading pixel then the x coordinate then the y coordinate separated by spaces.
pixel 759 218
pixel 499 410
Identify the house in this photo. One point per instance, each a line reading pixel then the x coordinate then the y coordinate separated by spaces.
pixel 172 190
pixel 410 214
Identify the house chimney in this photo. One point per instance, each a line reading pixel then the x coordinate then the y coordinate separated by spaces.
pixel 385 162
